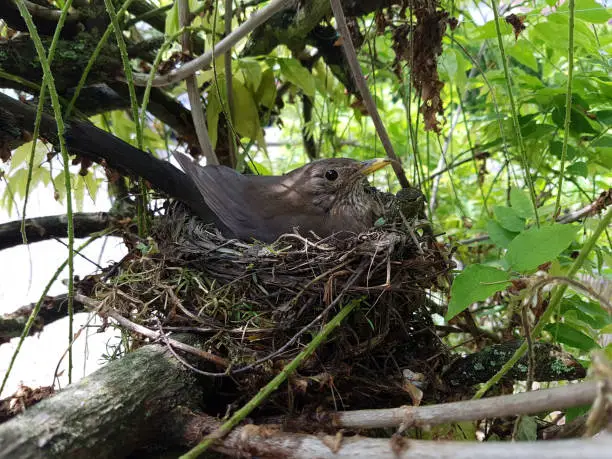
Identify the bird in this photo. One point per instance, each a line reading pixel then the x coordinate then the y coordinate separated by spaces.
pixel 325 197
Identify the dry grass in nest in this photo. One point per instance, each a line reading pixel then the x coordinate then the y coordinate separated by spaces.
pixel 258 305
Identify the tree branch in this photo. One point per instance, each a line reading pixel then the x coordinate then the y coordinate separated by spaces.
pixel 525 403
pixel 552 364
pixel 271 441
pixel 115 410
pixel 220 48
pixel 45 23
pixel 45 228
pixel 52 309
pixel 351 57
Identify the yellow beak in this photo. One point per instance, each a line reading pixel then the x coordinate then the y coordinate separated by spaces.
pixel 372 165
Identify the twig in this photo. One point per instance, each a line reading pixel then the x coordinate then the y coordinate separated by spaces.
pixel 197 111
pixel 515 113
pixel 439 172
pixel 525 403
pixel 442 166
pixel 577 286
pixel 126 323
pixel 228 83
pixel 351 57
pixel 568 103
pixel 167 342
pixel 256 19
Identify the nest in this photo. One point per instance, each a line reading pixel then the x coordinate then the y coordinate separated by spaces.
pixel 258 305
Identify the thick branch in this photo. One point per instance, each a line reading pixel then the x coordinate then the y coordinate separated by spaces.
pixel 44 228
pixel 45 23
pixel 270 441
pixel 552 364
pixel 291 27
pixel 113 411
pixel 18 57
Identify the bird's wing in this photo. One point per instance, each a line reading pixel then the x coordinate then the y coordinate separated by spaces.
pixel 223 190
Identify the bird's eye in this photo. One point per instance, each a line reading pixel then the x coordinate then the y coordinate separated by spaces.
pixel 331 175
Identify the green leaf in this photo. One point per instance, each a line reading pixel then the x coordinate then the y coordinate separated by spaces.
pixel 579 168
pixel 91 184
pixel 524 54
pixel 252 72
pixel 527 429
pixel 266 91
pixel 536 246
pixel 488 30
pixel 588 312
pixel 556 148
pixel 589 11
pixel 476 283
pixel 172 20
pixel 259 168
pixel 573 413
pixel 521 203
pixel 579 123
pixel 605 141
pixel 299 75
pixel 571 336
pixel 500 236
pixel 246 116
pixel 509 218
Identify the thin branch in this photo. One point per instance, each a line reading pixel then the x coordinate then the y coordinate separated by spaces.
pixel 51 309
pixel 533 402
pixel 515 114
pixel 197 110
pixel 568 103
pixel 45 228
pixel 256 19
pixel 229 84
pixel 57 112
pixel 442 166
pixel 351 57
pixel 144 331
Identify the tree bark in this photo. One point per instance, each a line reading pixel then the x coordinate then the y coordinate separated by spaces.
pixel 110 413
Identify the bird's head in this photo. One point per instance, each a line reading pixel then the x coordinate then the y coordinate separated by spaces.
pixel 337 180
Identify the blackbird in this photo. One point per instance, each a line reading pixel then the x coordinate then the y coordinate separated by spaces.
pixel 327 196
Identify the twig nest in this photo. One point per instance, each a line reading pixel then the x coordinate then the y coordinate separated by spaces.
pixel 257 305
